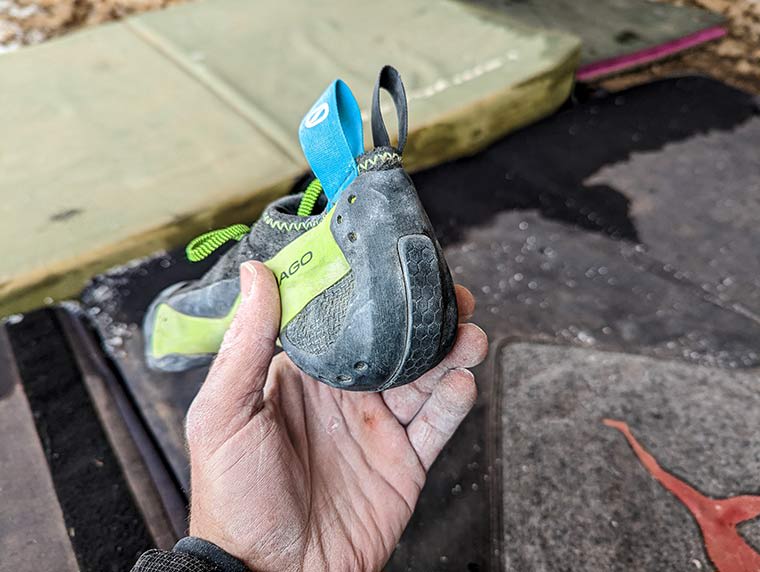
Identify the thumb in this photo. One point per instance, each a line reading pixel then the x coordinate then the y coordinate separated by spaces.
pixel 234 387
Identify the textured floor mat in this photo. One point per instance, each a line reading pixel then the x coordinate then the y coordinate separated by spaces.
pixel 611 462
pixel 550 256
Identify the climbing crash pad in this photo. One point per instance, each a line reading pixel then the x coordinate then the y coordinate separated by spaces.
pixel 617 34
pixel 174 122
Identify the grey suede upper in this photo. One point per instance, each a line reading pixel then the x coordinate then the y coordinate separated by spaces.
pixel 214 294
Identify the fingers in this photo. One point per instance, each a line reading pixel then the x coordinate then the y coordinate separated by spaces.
pixel 470 349
pixel 465 302
pixel 404 402
pixel 234 386
pixel 441 414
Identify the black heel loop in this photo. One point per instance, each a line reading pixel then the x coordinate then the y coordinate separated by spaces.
pixel 389 80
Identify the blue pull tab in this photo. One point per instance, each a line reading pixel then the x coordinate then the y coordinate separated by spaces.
pixel 331 138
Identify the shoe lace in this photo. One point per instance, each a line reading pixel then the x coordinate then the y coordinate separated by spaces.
pixel 202 246
pixel 309 199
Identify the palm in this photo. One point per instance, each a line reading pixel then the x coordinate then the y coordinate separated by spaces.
pixel 315 478
pixel 348 467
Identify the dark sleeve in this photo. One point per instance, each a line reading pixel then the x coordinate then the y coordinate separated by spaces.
pixel 190 554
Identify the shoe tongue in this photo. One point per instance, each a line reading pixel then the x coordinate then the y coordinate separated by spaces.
pixel 331 138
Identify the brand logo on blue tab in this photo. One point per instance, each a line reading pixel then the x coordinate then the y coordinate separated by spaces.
pixel 331 138
pixel 317 115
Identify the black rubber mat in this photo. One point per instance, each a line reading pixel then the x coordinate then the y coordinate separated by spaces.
pixel 551 232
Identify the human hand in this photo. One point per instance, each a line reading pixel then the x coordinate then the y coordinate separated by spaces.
pixel 289 474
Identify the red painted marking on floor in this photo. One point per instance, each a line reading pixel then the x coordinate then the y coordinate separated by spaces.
pixel 717 518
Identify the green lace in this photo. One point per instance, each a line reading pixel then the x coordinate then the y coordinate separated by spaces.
pixel 309 199
pixel 202 246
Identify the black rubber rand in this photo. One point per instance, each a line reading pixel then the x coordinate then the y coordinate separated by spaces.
pixel 422 280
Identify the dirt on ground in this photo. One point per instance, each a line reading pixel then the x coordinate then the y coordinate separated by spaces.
pixel 734 59
pixel 28 22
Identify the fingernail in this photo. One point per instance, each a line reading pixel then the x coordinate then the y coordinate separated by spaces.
pixel 463 371
pixel 247 278
pixel 482 331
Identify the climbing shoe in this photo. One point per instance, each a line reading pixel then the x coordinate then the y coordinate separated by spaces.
pixel 367 299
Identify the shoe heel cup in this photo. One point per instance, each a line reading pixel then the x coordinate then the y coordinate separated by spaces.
pixel 425 300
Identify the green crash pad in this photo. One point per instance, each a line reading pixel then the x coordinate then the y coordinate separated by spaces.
pixel 616 34
pixel 132 137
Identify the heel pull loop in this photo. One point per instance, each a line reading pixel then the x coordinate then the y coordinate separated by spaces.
pixel 389 80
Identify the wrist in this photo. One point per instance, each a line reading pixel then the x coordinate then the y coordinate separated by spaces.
pixel 190 554
pixel 210 552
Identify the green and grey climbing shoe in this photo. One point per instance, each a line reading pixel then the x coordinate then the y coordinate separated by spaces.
pixel 367 299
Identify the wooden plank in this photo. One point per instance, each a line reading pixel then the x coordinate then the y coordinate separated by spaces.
pixel 163 399
pixel 117 302
pixel 157 494
pixel 178 121
pixel 33 534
